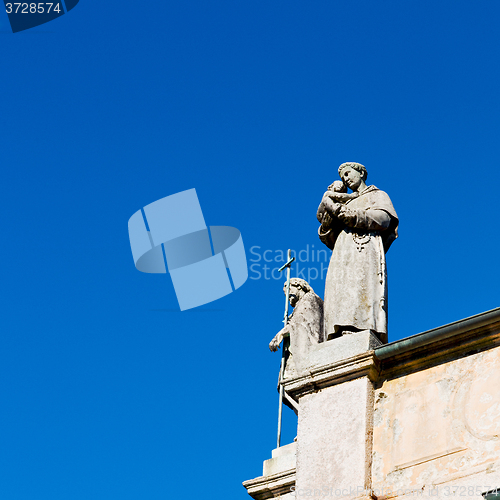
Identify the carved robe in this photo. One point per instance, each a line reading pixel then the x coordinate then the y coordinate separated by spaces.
pixel 306 329
pixel 356 282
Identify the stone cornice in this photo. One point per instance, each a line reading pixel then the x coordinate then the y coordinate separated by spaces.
pixel 446 343
pixel 412 354
pixel 365 364
pixel 264 487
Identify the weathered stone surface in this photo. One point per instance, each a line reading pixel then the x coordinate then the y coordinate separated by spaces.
pixel 439 426
pixel 334 439
pixel 338 372
pixel 359 230
pixel 278 485
pixel 278 478
pixel 283 459
pixel 341 348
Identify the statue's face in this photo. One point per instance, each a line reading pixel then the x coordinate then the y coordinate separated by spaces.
pixel 295 294
pixel 352 178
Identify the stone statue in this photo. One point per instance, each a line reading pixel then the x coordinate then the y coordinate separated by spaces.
pixel 305 326
pixel 359 228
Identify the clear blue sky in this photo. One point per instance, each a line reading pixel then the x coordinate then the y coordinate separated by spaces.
pixel 107 390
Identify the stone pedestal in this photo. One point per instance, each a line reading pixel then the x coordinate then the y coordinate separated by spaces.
pixel 335 440
pixel 278 475
pixel 335 425
pixel 283 459
pixel 333 450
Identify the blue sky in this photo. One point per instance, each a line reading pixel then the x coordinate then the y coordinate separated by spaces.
pixel 107 389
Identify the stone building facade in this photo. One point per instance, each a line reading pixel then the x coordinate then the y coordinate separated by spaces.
pixel 415 418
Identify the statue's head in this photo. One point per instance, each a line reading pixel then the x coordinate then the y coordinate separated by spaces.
pixel 356 166
pixel 298 288
pixel 337 187
pixel 353 174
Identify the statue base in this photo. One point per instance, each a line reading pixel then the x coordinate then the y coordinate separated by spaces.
pixel 335 392
pixel 278 478
pixel 338 349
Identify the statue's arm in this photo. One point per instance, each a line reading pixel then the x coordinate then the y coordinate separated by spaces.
pixel 278 338
pixel 371 219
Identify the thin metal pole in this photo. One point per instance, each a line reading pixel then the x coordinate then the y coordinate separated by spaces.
pixel 285 319
pixel 282 367
pixel 283 353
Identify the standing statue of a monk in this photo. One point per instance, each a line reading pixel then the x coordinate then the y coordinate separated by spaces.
pixel 359 228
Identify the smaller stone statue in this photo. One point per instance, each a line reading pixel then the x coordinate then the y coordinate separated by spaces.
pixel 336 193
pixel 305 326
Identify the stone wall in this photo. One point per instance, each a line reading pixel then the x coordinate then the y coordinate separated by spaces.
pixel 439 427
pixel 416 418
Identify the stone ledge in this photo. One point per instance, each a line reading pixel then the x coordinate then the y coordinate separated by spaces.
pixel 283 458
pixel 341 348
pixel 264 487
pixel 365 364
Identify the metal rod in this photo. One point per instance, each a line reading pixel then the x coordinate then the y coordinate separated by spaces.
pixel 282 389
pixel 283 351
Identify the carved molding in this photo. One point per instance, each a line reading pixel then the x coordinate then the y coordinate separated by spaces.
pixel 361 365
pixel 264 487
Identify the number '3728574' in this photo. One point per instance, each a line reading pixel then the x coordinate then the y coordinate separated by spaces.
pixel 25 15
pixel 32 8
